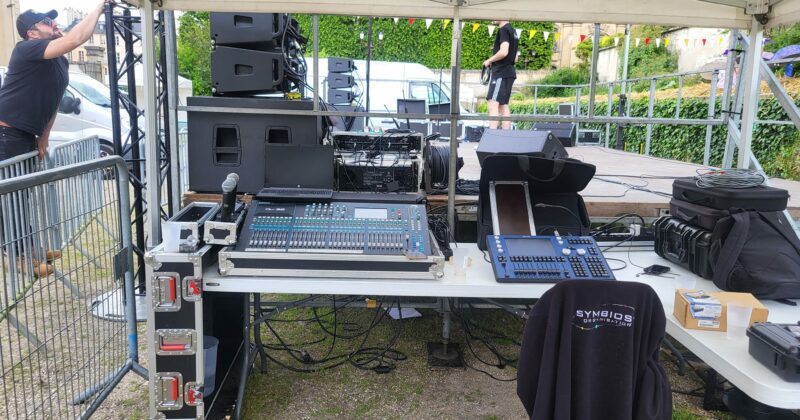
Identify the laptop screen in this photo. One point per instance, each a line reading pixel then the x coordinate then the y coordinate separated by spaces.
pixel 298 166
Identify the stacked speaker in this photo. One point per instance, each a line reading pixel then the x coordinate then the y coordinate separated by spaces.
pixel 340 84
pixel 340 81
pixel 256 61
pixel 255 53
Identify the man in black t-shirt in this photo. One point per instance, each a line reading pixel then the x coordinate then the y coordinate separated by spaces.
pixel 34 85
pixel 36 80
pixel 501 64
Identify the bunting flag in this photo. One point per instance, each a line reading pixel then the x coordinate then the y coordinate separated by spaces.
pixel 686 42
pixel 547 35
pixel 532 33
pixel 396 20
pixel 647 41
pixel 721 40
pixel 570 39
pixel 428 23
pixel 666 42
pixel 658 42
pixel 410 21
pixel 445 22
pixel 583 37
pixel 604 39
pixel 519 33
pixel 556 37
pixel 638 40
pixel 475 27
pixel 491 29
pixel 704 42
pixel 462 25
pixel 616 41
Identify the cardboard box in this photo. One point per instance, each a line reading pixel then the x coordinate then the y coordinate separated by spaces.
pixel 699 310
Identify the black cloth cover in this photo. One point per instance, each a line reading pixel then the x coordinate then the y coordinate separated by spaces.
pixel 590 351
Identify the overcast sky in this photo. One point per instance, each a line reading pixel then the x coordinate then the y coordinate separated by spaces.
pixel 59 5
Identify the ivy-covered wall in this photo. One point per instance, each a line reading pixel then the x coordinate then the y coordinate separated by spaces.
pixel 339 37
pixel 777 147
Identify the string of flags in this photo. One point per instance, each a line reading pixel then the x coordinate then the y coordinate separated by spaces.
pixel 474 27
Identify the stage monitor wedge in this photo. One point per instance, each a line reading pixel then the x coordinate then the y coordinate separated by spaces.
pixel 520 142
pixel 566 133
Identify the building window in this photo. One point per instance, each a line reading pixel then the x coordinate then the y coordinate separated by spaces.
pixel 70 56
pixel 116 41
pixel 80 56
pixel 117 57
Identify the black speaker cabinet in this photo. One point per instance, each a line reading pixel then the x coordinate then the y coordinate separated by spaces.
pixel 248 30
pixel 241 71
pixel 340 81
pixel 340 65
pixel 225 142
pixel 347 123
pixel 520 142
pixel 565 132
pixel 340 96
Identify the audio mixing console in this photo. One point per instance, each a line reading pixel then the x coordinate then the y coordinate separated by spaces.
pixel 338 239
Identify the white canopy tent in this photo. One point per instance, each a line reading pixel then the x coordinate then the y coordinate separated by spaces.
pixel 734 14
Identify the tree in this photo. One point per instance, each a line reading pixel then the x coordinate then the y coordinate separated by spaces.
pixel 194 51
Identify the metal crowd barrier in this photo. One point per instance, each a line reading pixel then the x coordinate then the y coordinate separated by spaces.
pixel 77 211
pixel 60 353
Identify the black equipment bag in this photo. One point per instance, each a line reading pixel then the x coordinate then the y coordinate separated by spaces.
pixel 761 198
pixel 553 187
pixel 777 346
pixel 758 253
pixel 684 244
pixel 705 217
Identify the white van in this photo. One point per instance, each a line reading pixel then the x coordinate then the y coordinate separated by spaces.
pixel 390 81
pixel 84 111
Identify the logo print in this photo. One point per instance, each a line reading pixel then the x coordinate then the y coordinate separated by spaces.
pixel 609 314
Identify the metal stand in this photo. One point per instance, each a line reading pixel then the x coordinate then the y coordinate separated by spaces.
pixel 445 354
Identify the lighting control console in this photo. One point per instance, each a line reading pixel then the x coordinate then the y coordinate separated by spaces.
pixel 546 259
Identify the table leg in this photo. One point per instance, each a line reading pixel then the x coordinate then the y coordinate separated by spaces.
pixel 677 355
pixel 247 360
pixel 257 333
pixel 445 354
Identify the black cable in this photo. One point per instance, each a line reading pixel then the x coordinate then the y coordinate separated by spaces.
pixel 625 265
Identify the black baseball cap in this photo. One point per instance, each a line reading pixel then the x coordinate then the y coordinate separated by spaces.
pixel 29 18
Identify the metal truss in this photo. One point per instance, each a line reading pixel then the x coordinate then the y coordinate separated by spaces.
pixel 131 144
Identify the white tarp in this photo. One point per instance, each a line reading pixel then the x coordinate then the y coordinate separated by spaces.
pixel 695 13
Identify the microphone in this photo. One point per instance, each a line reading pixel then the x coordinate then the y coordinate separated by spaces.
pixel 228 197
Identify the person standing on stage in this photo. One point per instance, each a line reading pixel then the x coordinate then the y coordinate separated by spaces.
pixel 501 65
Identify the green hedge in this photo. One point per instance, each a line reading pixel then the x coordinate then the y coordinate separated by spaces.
pixel 339 37
pixel 777 147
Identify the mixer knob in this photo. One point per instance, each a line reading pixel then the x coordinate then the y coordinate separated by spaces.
pixel 581 251
pixel 566 251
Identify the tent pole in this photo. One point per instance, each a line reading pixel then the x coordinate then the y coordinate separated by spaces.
pixel 455 70
pixel 315 66
pixel 752 82
pixel 152 146
pixel 593 74
pixel 171 49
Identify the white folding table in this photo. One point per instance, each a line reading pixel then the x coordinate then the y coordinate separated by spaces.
pixel 729 357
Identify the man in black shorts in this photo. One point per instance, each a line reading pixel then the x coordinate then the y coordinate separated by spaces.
pixel 34 85
pixel 501 65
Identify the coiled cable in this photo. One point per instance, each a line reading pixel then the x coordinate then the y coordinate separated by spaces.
pixel 730 178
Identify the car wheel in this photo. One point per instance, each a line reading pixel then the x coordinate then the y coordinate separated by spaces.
pixel 106 149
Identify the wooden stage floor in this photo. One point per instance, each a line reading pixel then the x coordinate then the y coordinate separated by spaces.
pixel 611 193
pixel 604 195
